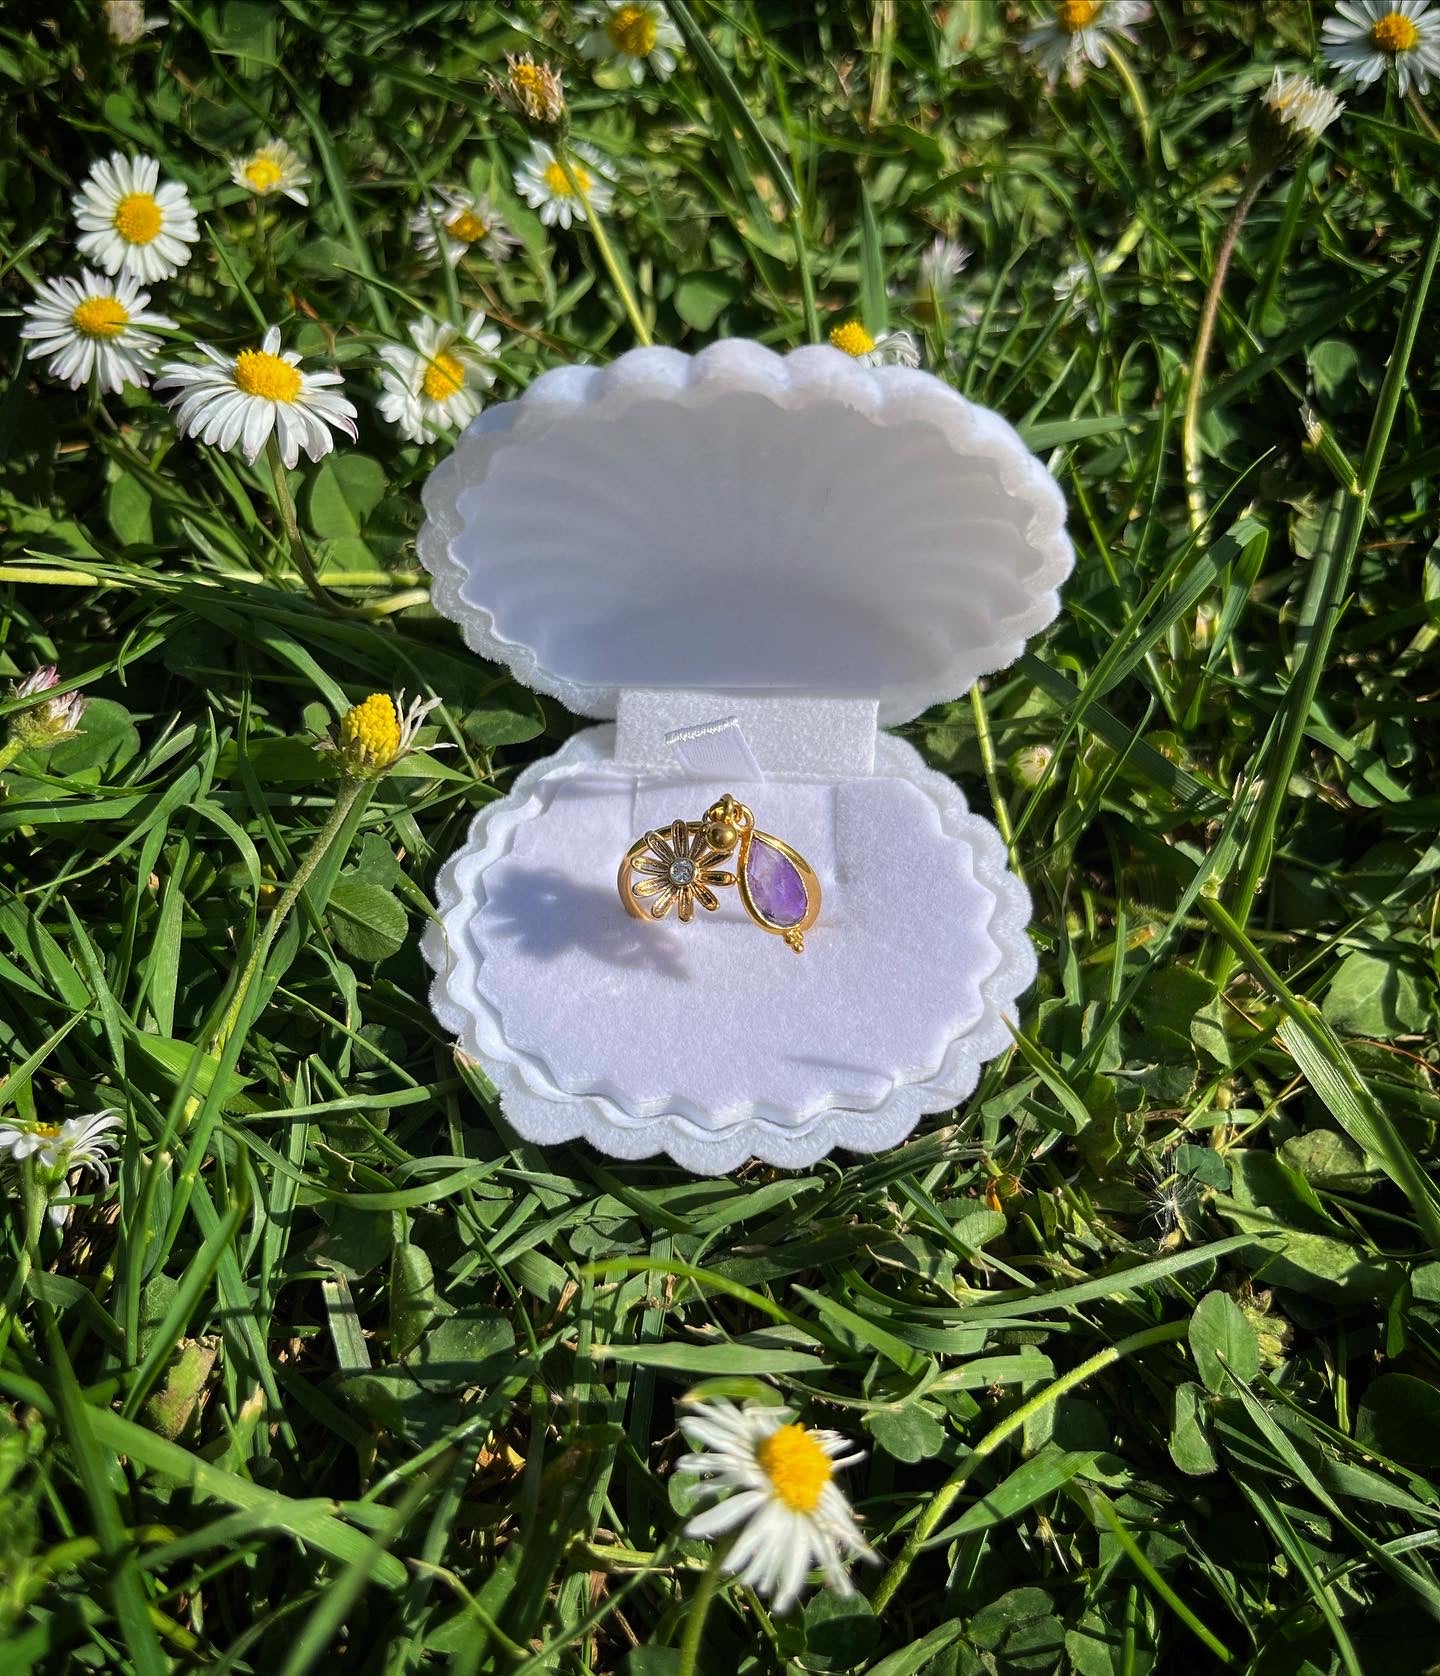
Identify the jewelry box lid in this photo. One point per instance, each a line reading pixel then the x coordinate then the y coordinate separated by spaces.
pixel 746 522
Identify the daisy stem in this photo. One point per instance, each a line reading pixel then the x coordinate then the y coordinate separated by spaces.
pixel 262 239
pixel 992 778
pixel 9 751
pixel 1200 355
pixel 285 505
pixel 1422 116
pixel 300 549
pixel 34 1202
pixel 1137 96
pixel 345 800
pixel 699 1609
pixel 603 245
pixel 807 280
pixel 1013 1422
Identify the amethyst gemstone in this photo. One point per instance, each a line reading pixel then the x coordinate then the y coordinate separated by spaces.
pixel 775 885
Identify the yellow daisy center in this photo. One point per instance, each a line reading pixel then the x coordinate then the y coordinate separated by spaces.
pixel 1075 15
pixel 49 1130
pixel 632 30
pixel 467 227
pixel 370 731
pixel 259 373
pixel 1394 33
pixel 138 218
pixel 852 338
pixel 559 186
pixel 100 317
pixel 527 81
pixel 797 1467
pixel 444 377
pixel 264 174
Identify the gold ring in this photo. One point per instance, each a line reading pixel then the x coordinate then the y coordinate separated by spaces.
pixel 677 866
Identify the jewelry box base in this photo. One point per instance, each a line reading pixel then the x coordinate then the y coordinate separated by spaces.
pixel 712 1042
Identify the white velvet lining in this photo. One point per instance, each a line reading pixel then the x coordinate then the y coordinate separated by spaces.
pixel 713 1041
pixel 820 735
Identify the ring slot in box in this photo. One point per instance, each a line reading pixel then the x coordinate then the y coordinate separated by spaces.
pixel 816 548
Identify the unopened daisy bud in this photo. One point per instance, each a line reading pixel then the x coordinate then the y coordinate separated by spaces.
pixel 48 721
pixel 532 91
pixel 942 264
pixel 1030 764
pixel 39 680
pixel 375 734
pixel 1292 114
pixel 888 349
pixel 126 22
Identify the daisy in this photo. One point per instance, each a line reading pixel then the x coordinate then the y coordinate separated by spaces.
pixel 129 223
pixel 1028 768
pixel 436 385
pixel 633 34
pixel 454 222
pixel 1079 32
pixel 243 398
pixel 1371 36
pixel 275 167
pixel 91 326
pixel 889 349
pixel 543 183
pixel 375 734
pixel 127 23
pixel 48 721
pixel 790 1513
pixel 79 1143
pixel 1292 114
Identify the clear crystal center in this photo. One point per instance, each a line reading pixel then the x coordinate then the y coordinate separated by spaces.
pixel 682 872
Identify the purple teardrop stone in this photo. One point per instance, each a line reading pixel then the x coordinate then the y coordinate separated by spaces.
pixel 775 885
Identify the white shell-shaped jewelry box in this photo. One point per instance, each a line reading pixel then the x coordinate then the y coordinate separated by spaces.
pixel 815 548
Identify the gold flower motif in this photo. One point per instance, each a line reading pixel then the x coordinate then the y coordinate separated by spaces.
pixel 680 868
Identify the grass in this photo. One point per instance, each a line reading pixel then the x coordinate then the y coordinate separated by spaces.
pixel 1143 1342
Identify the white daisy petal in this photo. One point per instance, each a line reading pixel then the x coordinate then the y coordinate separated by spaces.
pixel 734 1510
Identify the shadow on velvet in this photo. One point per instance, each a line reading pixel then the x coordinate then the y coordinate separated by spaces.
pixel 544 914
